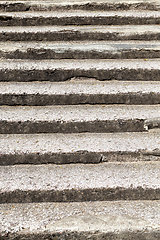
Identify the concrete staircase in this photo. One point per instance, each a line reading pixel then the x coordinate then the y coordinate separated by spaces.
pixel 80 120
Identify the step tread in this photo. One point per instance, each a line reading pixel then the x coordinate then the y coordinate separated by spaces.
pixel 82 13
pixel 80 86
pixel 80 50
pixel 99 46
pixel 52 218
pixel 105 181
pixel 79 118
pixel 79 113
pixel 89 32
pixel 126 30
pixel 62 70
pixel 84 147
pixel 79 91
pixel 85 64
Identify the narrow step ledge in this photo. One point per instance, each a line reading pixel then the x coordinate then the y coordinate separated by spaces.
pixel 79 182
pixel 62 70
pixel 80 50
pixel 79 17
pixel 79 148
pixel 80 91
pixel 76 5
pixel 78 118
pixel 77 33
pixel 118 219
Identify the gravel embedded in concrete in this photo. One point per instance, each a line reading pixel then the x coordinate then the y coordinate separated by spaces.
pixel 70 33
pixel 79 182
pixel 82 148
pixel 73 119
pixel 61 70
pixel 121 218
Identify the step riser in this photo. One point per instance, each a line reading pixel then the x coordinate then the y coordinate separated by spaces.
pixel 75 36
pixel 84 157
pixel 79 54
pixel 57 75
pixel 12 21
pixel 22 6
pixel 75 99
pixel 70 235
pixel 74 195
pixel 135 125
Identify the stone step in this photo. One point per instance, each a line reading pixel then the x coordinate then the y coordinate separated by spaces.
pixel 113 5
pixel 79 17
pixel 125 220
pixel 77 33
pixel 79 182
pixel 80 50
pixel 79 148
pixel 78 118
pixel 62 70
pixel 80 91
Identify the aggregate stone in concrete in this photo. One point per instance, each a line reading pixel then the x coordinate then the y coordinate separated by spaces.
pixel 79 17
pixel 80 50
pixel 86 220
pixel 80 91
pixel 89 32
pixel 82 148
pixel 79 182
pixel 61 70
pixel 79 118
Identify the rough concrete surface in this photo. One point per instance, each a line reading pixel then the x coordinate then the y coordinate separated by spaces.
pixel 86 220
pixel 84 5
pixel 70 33
pixel 79 182
pixel 79 17
pixel 84 118
pixel 61 70
pixel 80 91
pixel 80 50
pixel 82 148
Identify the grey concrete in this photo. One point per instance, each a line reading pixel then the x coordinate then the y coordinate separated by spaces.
pixel 80 91
pixel 79 17
pixel 78 4
pixel 61 70
pixel 87 220
pixel 80 50
pixel 74 119
pixel 89 32
pixel 79 182
pixel 82 148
